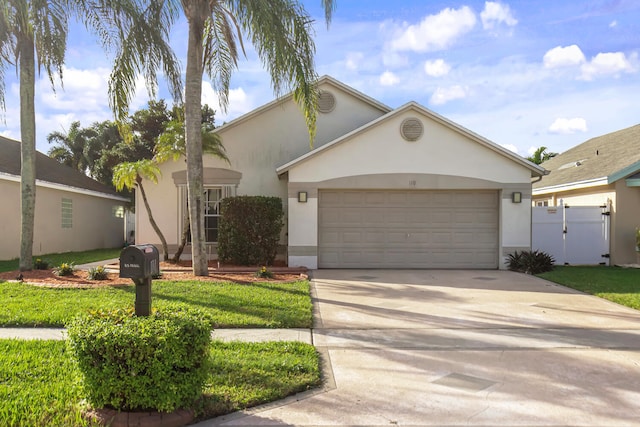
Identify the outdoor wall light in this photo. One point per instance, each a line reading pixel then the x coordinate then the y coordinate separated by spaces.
pixel 302 196
pixel 516 197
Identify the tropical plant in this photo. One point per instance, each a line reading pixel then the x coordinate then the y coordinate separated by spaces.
pixel 130 175
pixel 530 262
pixel 34 33
pixel 171 146
pixel 280 31
pixel 541 155
pixel 72 148
pixel 98 273
pixel 64 269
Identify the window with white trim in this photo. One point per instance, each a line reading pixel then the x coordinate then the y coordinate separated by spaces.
pixel 212 198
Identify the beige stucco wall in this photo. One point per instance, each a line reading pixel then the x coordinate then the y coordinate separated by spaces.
pixel 256 145
pixel 94 224
pixel 379 158
pixel 625 214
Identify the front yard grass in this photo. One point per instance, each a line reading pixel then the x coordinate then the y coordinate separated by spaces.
pixel 620 285
pixel 40 385
pixel 231 305
pixel 57 259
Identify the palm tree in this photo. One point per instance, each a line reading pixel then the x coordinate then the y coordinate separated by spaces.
pixel 280 31
pixel 35 33
pixel 541 155
pixel 131 175
pixel 30 32
pixel 72 148
pixel 171 146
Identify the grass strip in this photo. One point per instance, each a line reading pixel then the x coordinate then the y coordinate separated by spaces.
pixel 40 385
pixel 77 258
pixel 617 284
pixel 266 305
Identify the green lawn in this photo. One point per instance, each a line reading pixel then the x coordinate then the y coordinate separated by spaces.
pixel 75 257
pixel 41 386
pixel 270 305
pixel 620 285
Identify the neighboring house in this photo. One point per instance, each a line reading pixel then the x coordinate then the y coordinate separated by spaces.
pixel 601 171
pixel 379 188
pixel 73 211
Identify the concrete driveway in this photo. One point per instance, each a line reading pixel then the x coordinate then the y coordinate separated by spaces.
pixel 472 348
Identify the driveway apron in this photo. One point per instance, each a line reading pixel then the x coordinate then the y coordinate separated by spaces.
pixel 463 348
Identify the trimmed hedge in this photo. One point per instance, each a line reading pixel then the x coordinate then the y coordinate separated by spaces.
pixel 250 229
pixel 130 363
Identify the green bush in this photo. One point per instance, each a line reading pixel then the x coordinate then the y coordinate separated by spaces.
pixel 530 262
pixel 98 273
pixel 249 229
pixel 130 363
pixel 64 269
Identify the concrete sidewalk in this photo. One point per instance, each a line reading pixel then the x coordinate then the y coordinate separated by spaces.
pixel 247 335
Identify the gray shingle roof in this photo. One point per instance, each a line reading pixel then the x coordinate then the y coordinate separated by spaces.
pixel 612 156
pixel 48 169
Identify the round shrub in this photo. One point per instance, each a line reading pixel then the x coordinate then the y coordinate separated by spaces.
pixel 130 363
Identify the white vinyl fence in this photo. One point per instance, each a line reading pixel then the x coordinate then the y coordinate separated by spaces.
pixel 572 234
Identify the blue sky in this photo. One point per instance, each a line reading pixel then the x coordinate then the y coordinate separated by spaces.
pixel 523 74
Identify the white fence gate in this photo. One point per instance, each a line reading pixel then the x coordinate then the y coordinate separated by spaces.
pixel 572 234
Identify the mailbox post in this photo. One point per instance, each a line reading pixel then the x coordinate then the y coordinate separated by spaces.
pixel 140 263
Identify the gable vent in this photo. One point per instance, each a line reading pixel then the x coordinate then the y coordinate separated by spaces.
pixel 411 129
pixel 326 102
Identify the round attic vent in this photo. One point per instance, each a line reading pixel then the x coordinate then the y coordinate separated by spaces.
pixel 411 129
pixel 326 102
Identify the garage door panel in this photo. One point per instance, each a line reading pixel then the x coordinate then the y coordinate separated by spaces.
pixel 408 229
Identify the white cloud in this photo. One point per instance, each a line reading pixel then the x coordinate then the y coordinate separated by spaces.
pixel 603 64
pixel 389 79
pixel 239 102
pixel 435 32
pixel 563 57
pixel 436 68
pixel 444 95
pixel 496 13
pixel 566 126
pixel 353 60
pixel 613 24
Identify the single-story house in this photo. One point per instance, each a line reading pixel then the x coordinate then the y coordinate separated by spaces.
pixel 379 187
pixel 603 171
pixel 73 211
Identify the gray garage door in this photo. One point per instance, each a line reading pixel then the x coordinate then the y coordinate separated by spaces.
pixel 408 229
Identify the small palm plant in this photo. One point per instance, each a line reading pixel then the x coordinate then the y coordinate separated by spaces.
pixel 638 239
pixel 64 269
pixel 98 273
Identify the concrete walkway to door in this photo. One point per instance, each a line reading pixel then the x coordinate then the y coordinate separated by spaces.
pixel 472 348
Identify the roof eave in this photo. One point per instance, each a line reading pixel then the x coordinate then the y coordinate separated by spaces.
pixel 577 185
pixel 622 173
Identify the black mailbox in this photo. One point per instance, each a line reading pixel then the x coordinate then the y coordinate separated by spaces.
pixel 139 262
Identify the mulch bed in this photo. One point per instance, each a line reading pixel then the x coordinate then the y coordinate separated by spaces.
pixel 170 271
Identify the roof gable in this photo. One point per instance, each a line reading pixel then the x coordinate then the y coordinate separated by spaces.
pixel 535 169
pixel 601 160
pixel 278 102
pixel 49 170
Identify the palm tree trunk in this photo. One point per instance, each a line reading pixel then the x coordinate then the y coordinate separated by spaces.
pixel 186 229
pixel 165 248
pixel 28 152
pixel 196 12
